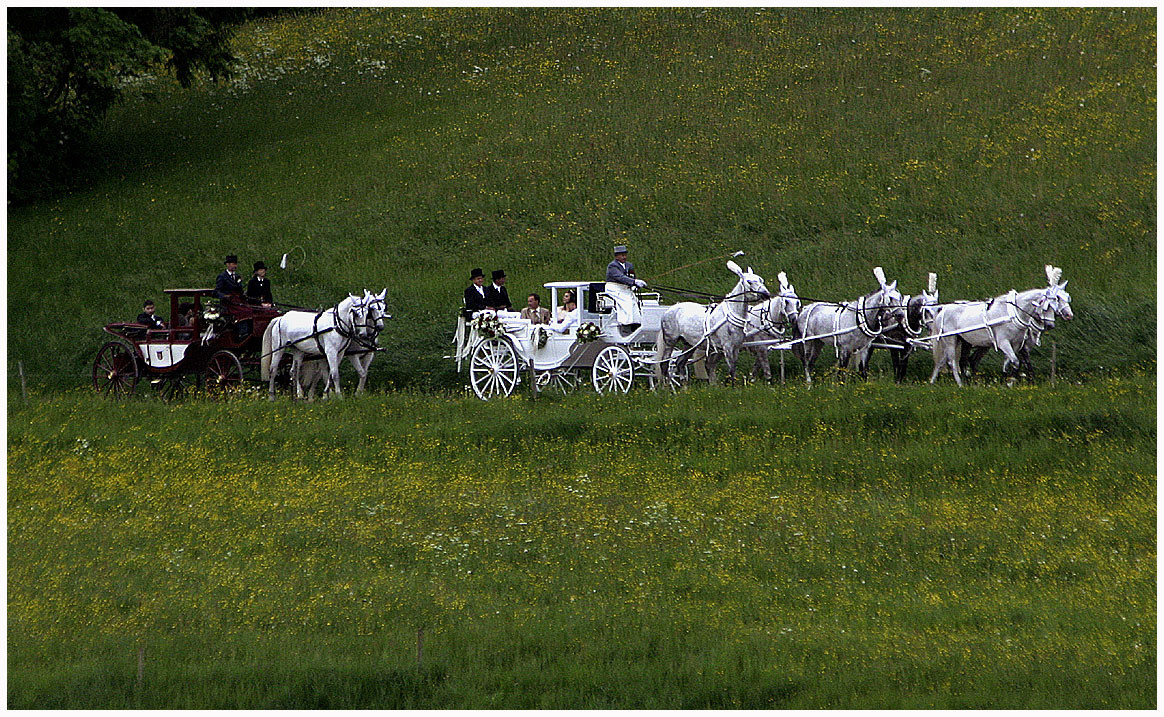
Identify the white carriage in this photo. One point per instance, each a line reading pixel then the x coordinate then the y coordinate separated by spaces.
pixel 498 361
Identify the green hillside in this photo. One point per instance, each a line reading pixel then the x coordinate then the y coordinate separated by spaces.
pixel 401 147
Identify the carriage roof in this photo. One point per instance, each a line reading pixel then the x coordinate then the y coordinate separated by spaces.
pixel 566 284
pixel 189 291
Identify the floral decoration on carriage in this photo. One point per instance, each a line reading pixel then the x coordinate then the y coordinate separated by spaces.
pixel 588 332
pixel 488 325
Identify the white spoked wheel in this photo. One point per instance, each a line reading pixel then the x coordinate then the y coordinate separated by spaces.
pixel 613 371
pixel 493 368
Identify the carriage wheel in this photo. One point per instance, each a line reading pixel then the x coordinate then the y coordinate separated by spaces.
pixel 224 374
pixel 493 368
pixel 613 371
pixel 115 370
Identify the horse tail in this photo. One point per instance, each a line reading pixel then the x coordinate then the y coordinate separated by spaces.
pixel 265 361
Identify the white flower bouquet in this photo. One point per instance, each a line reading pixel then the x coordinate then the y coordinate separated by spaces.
pixel 588 332
pixel 488 325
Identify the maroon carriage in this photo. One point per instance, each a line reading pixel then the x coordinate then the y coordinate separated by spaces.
pixel 208 342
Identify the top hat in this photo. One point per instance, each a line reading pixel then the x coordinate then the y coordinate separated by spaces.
pixel 475 273
pixel 498 274
pixel 230 259
pixel 620 249
pixel 260 265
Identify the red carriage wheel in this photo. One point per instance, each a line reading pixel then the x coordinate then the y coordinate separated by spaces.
pixel 115 370
pixel 224 374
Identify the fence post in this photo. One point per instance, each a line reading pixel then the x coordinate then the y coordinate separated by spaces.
pixel 23 385
pixel 419 646
pixel 140 665
pixel 1052 363
pixel 533 380
pixel 781 367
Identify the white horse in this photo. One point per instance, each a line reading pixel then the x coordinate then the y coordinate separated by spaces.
pixel 719 327
pixel 769 321
pixel 850 326
pixel 360 353
pixel 303 333
pixel 1010 323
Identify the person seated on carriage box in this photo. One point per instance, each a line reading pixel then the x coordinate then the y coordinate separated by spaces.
pixel 496 297
pixel 149 318
pixel 475 293
pixel 259 287
pixel 568 316
pixel 620 285
pixel 228 286
pixel 534 310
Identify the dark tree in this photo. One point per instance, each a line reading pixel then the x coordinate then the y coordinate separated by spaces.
pixel 66 67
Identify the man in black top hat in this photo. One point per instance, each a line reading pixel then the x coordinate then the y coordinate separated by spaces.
pixel 475 293
pixel 259 287
pixel 228 286
pixel 496 297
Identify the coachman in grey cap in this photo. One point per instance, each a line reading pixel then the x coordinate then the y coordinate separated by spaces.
pixel 620 285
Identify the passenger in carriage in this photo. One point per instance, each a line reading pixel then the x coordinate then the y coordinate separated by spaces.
pixel 534 310
pixel 228 286
pixel 562 311
pixel 567 315
pixel 475 293
pixel 149 317
pixel 186 314
pixel 259 287
pixel 496 297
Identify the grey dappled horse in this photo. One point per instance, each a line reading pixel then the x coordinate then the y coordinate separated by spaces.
pixel 720 327
pixel 850 326
pixel 919 316
pixel 1010 323
pixel 769 321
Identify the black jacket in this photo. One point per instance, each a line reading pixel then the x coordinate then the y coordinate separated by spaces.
pixel 497 297
pixel 226 287
pixel 151 321
pixel 259 290
pixel 473 300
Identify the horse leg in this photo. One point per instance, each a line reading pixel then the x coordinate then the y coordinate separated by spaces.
pixel 1011 364
pixel 333 367
pixel 808 357
pixel 361 371
pixel 296 373
pixel 712 361
pixel 897 359
pixel 276 358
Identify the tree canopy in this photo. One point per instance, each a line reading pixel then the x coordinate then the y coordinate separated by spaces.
pixel 66 68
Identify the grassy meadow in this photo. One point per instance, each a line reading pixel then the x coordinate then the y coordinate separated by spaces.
pixel 844 546
pixel 399 148
pixel 850 545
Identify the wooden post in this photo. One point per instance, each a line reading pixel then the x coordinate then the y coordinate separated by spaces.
pixel 23 385
pixel 419 646
pixel 1052 363
pixel 533 380
pixel 781 367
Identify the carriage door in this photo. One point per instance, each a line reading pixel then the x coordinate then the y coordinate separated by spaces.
pixel 156 349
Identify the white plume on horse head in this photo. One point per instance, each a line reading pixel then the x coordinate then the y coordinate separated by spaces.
pixel 879 273
pixel 783 280
pixel 933 283
pixel 1054 273
pixel 735 268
